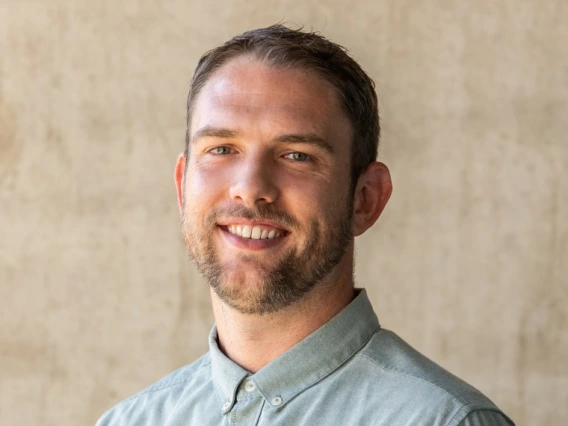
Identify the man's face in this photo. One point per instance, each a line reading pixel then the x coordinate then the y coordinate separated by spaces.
pixel 266 213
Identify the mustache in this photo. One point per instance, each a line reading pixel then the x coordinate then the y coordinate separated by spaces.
pixel 263 211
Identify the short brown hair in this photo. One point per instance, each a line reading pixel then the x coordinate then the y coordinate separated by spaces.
pixel 283 47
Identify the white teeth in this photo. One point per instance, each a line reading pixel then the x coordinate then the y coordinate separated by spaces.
pixel 255 234
pixel 247 231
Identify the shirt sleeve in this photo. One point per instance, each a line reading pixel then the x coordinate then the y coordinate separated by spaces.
pixel 486 418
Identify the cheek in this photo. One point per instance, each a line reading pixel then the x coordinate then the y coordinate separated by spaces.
pixel 319 192
pixel 204 184
pixel 327 205
pixel 308 200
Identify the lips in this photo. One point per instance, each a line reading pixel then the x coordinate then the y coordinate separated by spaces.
pixel 251 234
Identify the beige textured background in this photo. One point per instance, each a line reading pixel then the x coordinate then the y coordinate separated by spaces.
pixel 469 262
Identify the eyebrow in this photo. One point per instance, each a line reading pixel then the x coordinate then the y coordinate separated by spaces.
pixel 303 138
pixel 214 132
pixel 307 138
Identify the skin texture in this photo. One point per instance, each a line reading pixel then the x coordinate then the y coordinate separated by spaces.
pixel 246 168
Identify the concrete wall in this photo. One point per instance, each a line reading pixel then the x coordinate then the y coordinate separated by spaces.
pixel 469 262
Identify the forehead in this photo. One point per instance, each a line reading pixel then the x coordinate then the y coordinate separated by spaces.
pixel 249 94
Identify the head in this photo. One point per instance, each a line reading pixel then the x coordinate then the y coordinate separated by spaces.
pixel 278 46
pixel 279 170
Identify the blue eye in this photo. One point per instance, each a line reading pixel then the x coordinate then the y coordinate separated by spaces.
pixel 298 156
pixel 220 150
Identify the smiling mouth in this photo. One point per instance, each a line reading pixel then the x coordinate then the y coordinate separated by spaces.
pixel 257 232
pixel 253 236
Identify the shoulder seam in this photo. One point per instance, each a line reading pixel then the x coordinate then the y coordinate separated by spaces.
pixel 454 397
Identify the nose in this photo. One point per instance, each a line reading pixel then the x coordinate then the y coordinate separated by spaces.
pixel 254 182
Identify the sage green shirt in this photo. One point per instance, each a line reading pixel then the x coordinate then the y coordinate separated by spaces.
pixel 348 372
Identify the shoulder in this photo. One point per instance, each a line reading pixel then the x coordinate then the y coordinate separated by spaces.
pixel 414 378
pixel 148 405
pixel 403 363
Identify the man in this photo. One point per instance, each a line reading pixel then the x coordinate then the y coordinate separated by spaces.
pixel 277 178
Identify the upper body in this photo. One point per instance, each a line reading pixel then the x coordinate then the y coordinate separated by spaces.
pixel 278 177
pixel 348 372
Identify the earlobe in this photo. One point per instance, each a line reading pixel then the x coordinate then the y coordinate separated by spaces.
pixel 179 178
pixel 373 191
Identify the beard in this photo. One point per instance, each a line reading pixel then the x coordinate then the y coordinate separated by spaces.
pixel 286 280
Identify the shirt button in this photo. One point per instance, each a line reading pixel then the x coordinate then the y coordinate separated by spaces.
pixel 276 401
pixel 226 406
pixel 250 386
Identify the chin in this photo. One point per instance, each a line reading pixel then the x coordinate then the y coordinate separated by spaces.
pixel 245 292
pixel 241 283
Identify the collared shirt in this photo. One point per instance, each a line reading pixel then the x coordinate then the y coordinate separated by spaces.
pixel 348 372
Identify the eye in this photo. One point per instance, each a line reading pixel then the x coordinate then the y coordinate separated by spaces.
pixel 220 150
pixel 298 156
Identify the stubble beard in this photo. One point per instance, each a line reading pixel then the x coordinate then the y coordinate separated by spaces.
pixel 288 280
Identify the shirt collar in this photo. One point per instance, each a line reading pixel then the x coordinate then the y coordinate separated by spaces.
pixel 303 365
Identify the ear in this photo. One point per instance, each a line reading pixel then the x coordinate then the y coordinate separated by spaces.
pixel 373 190
pixel 179 178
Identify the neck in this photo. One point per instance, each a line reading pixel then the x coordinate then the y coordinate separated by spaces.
pixel 253 341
